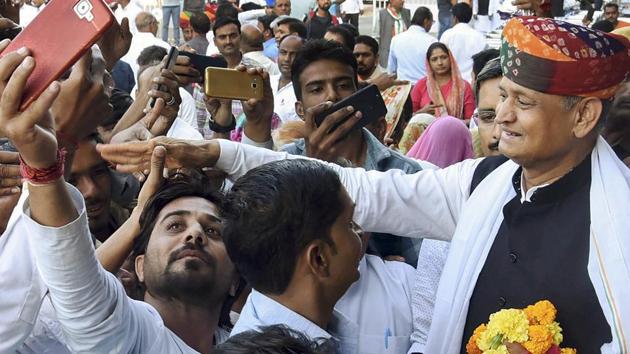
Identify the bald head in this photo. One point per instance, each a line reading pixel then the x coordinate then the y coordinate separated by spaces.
pixel 251 38
pixel 145 22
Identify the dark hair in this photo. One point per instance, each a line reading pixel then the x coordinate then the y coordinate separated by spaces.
pixel 370 42
pixel 224 11
pixel 224 21
pixel 492 70
pixel 266 21
pixel 120 101
pixel 295 26
pixel 348 38
pixel 480 59
pixel 604 26
pixel 251 6
pixel 611 4
pixel 277 339
pixel 200 23
pixel 350 28
pixel 273 213
pixel 434 46
pixel 316 50
pixel 150 55
pixel 422 13
pixel 462 12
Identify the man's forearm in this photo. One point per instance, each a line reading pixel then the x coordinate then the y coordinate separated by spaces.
pixel 51 204
pixel 258 130
pixel 116 249
pixel 133 114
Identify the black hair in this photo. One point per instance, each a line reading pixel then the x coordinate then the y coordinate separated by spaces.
pixel 266 21
pixel 224 21
pixel 348 38
pixel 462 12
pixel 492 70
pixel 226 10
pixel 480 59
pixel 434 46
pixel 319 49
pixel 273 213
pixel 370 42
pixel 350 28
pixel 251 6
pixel 611 4
pixel 422 13
pixel 295 26
pixel 200 23
pixel 604 26
pixel 277 339
pixel 120 101
pixel 150 55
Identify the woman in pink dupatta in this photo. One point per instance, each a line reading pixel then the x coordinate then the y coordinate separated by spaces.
pixel 443 91
pixel 446 141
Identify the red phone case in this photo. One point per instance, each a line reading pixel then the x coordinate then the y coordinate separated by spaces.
pixel 58 37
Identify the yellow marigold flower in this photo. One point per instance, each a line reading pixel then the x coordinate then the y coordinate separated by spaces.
pixel 540 339
pixel 568 351
pixel 502 349
pixel 556 332
pixel 543 312
pixel 511 324
pixel 472 347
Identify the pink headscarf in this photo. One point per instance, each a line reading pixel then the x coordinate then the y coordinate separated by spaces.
pixel 445 141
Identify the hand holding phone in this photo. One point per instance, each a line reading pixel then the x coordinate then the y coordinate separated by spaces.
pixel 233 84
pixel 171 59
pixel 367 100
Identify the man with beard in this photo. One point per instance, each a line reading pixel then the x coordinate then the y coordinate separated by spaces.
pixel 227 38
pixel 366 53
pixel 180 255
pixel 319 22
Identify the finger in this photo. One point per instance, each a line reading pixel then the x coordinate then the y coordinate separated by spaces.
pixel 11 61
pixel 157 166
pixel 240 67
pixel 10 171
pixel 10 182
pixel 110 151
pixel 39 108
pixel 124 26
pixel 10 157
pixel 341 131
pixel 4 192
pixel 12 95
pixel 153 114
pixel 138 175
pixel 311 113
pixel 4 43
pixel 336 118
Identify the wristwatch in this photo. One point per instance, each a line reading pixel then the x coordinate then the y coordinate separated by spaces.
pixel 215 127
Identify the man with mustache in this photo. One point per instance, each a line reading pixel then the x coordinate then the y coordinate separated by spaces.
pixel 283 93
pixel 488 97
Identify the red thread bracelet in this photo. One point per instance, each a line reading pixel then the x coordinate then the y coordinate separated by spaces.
pixel 46 175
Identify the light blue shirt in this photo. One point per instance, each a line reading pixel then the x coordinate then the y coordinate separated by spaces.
pixel 271 49
pixel 260 311
pixel 408 53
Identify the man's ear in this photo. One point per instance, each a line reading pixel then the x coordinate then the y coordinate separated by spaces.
pixel 588 112
pixel 299 109
pixel 318 258
pixel 140 268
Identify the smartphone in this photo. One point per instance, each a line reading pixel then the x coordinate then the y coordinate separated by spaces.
pixel 171 60
pixel 201 62
pixel 232 84
pixel 62 32
pixel 367 100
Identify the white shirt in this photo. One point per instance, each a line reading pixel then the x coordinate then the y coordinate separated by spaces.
pixel 139 42
pixel 260 310
pixel 408 53
pixel 130 12
pixel 91 305
pixel 284 100
pixel 187 108
pixel 269 65
pixel 352 6
pixel 464 42
pixel 380 304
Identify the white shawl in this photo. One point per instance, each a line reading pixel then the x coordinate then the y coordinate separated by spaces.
pixel 609 255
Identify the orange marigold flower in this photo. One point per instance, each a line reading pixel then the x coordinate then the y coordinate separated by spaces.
pixel 540 339
pixel 568 351
pixel 543 312
pixel 471 347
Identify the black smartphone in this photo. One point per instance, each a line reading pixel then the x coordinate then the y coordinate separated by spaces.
pixel 171 59
pixel 201 62
pixel 367 100
pixel 10 33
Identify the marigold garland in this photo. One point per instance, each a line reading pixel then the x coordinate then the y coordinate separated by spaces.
pixel 534 327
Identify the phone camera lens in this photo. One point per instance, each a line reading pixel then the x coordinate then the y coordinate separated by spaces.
pixel 254 85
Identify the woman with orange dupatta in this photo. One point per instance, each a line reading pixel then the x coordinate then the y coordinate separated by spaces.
pixel 443 92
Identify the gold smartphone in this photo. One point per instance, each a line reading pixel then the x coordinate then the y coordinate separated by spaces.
pixel 232 84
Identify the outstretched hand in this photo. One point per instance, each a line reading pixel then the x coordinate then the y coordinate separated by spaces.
pixel 115 42
pixel 31 131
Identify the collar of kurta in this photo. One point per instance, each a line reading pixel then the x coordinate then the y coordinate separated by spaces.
pixel 560 58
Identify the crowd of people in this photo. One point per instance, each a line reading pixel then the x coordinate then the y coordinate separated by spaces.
pixel 499 178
